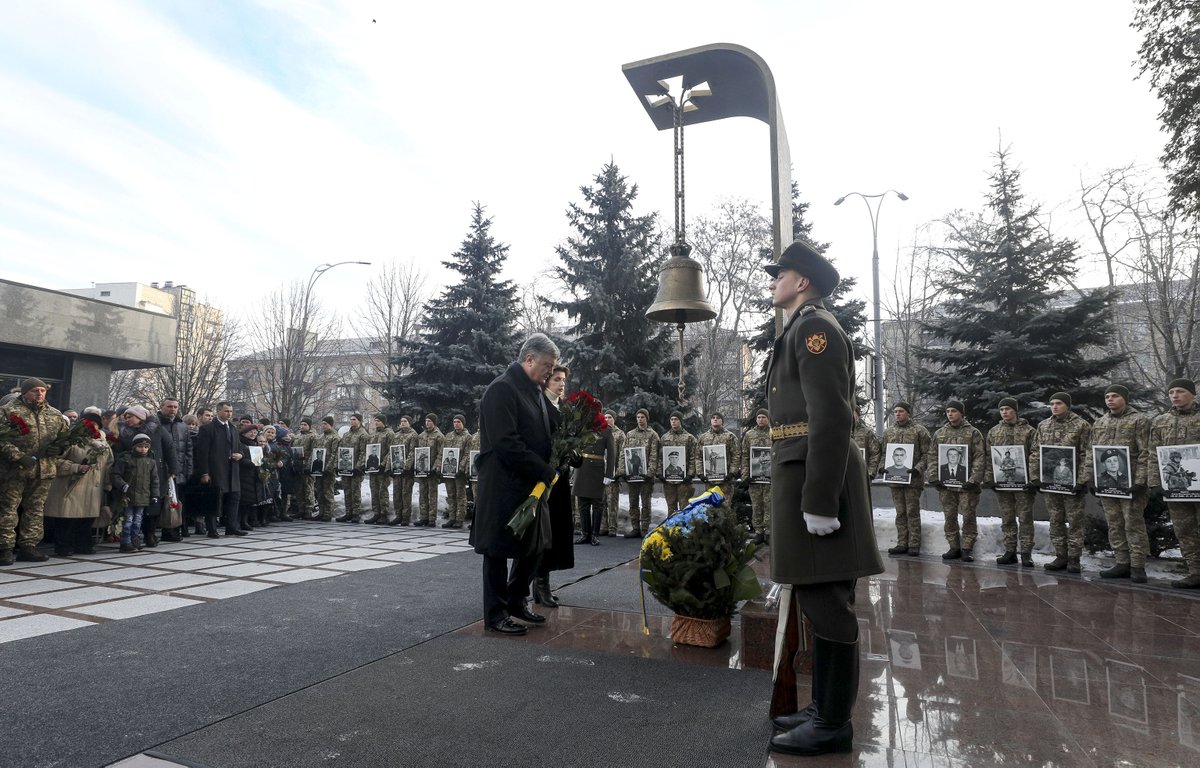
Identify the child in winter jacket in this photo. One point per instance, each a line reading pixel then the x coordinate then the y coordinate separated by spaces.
pixel 135 476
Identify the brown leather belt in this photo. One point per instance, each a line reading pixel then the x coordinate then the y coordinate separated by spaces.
pixel 799 429
pixel 591 456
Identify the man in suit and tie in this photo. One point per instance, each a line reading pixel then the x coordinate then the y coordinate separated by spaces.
pixel 953 471
pixel 217 454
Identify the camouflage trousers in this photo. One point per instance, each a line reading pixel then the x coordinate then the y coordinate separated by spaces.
pixel 955 503
pixel 677 495
pixel 352 494
pixel 323 487
pixel 907 501
pixel 379 495
pixel 456 499
pixel 402 496
pixel 612 509
pixel 639 506
pixel 1016 521
pixel 427 498
pixel 307 499
pixel 760 507
pixel 30 496
pixel 1185 519
pixel 1127 529
pixel 1065 511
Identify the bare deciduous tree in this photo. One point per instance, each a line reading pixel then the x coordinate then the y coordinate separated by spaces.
pixel 391 312
pixel 908 302
pixel 535 312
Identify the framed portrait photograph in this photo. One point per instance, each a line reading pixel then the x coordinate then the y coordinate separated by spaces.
pixel 674 463
pixel 1188 710
pixel 1178 471
pixel 635 465
pixel 1018 664
pixel 396 459
pixel 905 651
pixel 1126 692
pixel 421 461
pixel 1110 471
pixel 450 461
pixel 953 461
pixel 317 467
pixel 473 466
pixel 899 458
pixel 345 465
pixel 760 464
pixel 716 464
pixel 1069 676
pixel 1009 467
pixel 297 453
pixel 960 657
pixel 374 458
pixel 256 455
pixel 1058 468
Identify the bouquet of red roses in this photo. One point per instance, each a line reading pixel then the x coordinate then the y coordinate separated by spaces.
pixel 80 434
pixel 13 426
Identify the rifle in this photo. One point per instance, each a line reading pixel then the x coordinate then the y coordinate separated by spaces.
pixel 787 645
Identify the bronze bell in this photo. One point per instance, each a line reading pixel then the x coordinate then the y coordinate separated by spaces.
pixel 682 294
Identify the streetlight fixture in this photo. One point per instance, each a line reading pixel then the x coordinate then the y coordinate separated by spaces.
pixel 878 372
pixel 295 381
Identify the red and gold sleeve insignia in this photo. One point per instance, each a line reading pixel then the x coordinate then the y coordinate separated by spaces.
pixel 816 342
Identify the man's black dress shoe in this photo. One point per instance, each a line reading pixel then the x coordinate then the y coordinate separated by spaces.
pixel 507 627
pixel 524 614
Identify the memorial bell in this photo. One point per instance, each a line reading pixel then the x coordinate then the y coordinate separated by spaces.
pixel 682 292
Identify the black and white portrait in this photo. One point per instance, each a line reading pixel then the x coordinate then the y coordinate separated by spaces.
pixel 960 657
pixel 1126 691
pixel 421 461
pixel 256 455
pixel 1069 676
pixel 760 464
pixel 1058 468
pixel 1009 467
pixel 450 461
pixel 317 467
pixel 345 465
pixel 953 461
pixel 900 463
pixel 904 649
pixel 1110 468
pixel 1179 472
pixel 473 466
pixel 396 457
pixel 716 466
pixel 374 458
pixel 1018 664
pixel 674 461
pixel 635 465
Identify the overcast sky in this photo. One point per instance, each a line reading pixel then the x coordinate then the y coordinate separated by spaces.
pixel 234 146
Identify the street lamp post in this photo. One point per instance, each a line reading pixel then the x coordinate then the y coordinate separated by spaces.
pixel 296 381
pixel 877 374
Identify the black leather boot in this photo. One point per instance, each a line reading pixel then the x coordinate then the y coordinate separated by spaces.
pixel 542 594
pixel 835 675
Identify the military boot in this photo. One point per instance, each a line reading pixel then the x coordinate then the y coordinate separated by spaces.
pixel 29 554
pixel 1008 558
pixel 1137 575
pixel 1057 564
pixel 1073 564
pixel 1118 571
pixel 835 665
pixel 1027 559
pixel 6 557
pixel 967 557
pixel 1189 582
pixel 954 553
pixel 899 549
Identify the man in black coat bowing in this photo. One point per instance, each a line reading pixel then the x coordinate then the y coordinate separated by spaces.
pixel 514 456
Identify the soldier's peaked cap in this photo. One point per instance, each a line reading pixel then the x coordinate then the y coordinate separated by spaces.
pixel 805 259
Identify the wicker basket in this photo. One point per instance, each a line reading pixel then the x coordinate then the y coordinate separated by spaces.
pixel 706 633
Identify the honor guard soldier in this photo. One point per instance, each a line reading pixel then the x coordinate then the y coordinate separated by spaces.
pixel 907 497
pixel 822 536
pixel 307 441
pixel 611 525
pixel 677 476
pixel 868 445
pixel 1016 507
pixel 25 473
pixel 355 438
pixel 1179 426
pixel 1125 426
pixel 641 436
pixel 960 497
pixel 1066 429
pixel 380 483
pixel 758 436
pixel 402 476
pixel 328 440
pixel 456 480
pixel 722 477
pixel 427 492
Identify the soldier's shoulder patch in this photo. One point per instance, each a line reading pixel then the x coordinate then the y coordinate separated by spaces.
pixel 816 342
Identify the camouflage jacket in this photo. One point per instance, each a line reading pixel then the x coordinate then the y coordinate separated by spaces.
pixel 733 453
pixel 619 446
pixel 356 439
pixel 756 437
pixel 675 438
pixel 641 438
pixel 963 434
pixel 307 441
pixel 866 440
pixel 382 438
pixel 1069 430
pixel 406 436
pixel 433 441
pixel 1129 428
pixel 1175 427
pixel 459 440
pixel 45 423
pixel 1018 433
pixel 330 443
pixel 911 433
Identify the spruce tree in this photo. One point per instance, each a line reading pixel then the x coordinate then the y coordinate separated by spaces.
pixel 609 267
pixel 1009 325
pixel 467 335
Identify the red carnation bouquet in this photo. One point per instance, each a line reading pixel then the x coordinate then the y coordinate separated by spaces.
pixel 81 434
pixel 578 430
pixel 12 427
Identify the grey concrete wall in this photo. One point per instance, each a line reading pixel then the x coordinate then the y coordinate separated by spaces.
pixel 89 382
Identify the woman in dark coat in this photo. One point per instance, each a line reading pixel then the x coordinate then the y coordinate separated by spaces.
pixel 138 421
pixel 560 556
pixel 253 490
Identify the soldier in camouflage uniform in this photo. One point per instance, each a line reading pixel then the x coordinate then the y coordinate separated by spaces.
pixel 907 498
pixel 611 524
pixel 25 474
pixel 427 494
pixel 718 435
pixel 324 484
pixel 677 494
pixel 1179 426
pixel 641 436
pixel 1066 429
pixel 955 500
pixel 379 481
pixel 356 438
pixel 758 436
pixel 868 445
pixel 472 482
pixel 402 477
pixel 456 482
pixel 307 440
pixel 1124 426
pixel 1016 507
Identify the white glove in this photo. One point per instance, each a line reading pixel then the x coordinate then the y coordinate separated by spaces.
pixel 820 525
pixel 608 481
